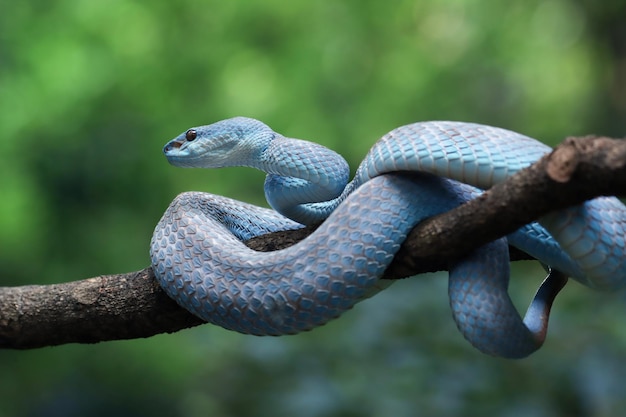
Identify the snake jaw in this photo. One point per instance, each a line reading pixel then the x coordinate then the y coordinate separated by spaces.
pixel 176 153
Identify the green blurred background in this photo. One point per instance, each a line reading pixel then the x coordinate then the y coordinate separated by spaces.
pixel 91 90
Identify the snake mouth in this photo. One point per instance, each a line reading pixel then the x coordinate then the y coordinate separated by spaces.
pixel 177 155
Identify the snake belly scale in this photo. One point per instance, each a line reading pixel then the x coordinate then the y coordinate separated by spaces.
pixel 199 258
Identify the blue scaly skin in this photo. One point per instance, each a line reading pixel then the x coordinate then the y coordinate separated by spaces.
pixel 199 259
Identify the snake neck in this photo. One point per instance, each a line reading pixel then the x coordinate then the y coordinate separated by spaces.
pixel 306 181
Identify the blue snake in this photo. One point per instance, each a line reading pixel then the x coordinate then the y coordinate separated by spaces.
pixel 200 261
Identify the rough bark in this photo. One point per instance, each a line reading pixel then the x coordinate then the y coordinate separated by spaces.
pixel 131 305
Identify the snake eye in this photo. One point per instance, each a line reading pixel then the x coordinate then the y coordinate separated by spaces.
pixel 191 135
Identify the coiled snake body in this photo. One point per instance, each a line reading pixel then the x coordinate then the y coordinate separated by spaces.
pixel 200 261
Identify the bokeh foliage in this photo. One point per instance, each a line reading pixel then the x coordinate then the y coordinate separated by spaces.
pixel 90 91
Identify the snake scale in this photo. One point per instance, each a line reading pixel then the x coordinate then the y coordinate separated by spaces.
pixel 200 261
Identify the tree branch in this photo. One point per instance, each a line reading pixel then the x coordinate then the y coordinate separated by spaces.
pixel 132 305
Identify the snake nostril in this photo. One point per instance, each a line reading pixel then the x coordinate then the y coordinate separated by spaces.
pixel 171 146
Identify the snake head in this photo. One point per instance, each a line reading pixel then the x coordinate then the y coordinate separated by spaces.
pixel 232 142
